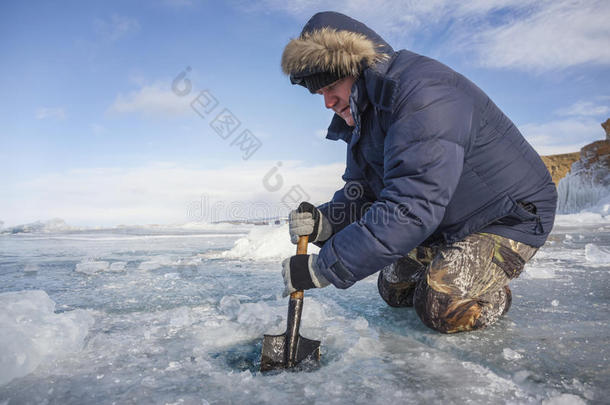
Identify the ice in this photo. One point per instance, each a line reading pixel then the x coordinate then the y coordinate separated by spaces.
pixel 564 399
pixel 582 218
pixel 118 266
pixel 33 334
pixel 510 354
pixel 156 263
pixel 30 268
pixel 59 225
pixel 538 272
pixel 597 255
pixel 584 189
pixel 265 243
pixel 91 266
pixel 179 316
pixel 53 225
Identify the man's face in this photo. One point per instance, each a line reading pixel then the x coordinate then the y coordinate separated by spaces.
pixel 336 97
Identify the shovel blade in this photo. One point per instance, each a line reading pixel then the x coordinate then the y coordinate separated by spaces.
pixel 275 352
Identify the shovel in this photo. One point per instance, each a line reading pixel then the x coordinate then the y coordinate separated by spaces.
pixel 289 349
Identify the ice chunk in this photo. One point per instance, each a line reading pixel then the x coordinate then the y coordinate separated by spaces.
pixel 268 243
pixel 30 268
pixel 229 305
pixel 597 255
pixel 510 354
pixel 118 266
pixel 156 263
pixel 564 399
pixel 538 272
pixel 91 266
pixel 32 333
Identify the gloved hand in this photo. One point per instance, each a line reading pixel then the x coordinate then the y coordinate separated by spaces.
pixel 301 272
pixel 308 220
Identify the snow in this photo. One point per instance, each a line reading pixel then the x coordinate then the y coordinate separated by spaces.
pixel 265 243
pixel 33 334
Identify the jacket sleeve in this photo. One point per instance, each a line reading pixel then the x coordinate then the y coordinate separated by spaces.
pixel 423 161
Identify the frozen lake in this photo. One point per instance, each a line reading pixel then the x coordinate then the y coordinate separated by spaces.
pixel 177 316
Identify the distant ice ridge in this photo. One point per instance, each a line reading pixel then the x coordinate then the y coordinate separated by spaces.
pixel 32 333
pixel 59 225
pixel 265 243
pixel 53 225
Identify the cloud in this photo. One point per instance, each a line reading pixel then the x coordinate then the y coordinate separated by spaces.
pixel 167 193
pixel 178 3
pixel 562 136
pixel 531 35
pixel 50 112
pixel 585 108
pixel 116 27
pixel 151 100
pixel 553 35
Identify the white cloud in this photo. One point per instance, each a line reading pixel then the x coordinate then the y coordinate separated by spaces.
pixel 153 100
pixel 533 35
pixel 562 136
pixel 585 108
pixel 165 193
pixel 50 112
pixel 115 27
pixel 554 35
pixel 179 3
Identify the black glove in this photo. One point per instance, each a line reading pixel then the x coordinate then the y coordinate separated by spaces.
pixel 301 272
pixel 308 220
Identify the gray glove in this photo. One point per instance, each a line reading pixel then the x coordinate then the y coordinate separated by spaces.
pixel 308 220
pixel 301 272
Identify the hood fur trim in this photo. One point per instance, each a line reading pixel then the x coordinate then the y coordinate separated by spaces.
pixel 341 52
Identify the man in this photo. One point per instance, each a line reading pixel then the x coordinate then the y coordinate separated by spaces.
pixel 442 194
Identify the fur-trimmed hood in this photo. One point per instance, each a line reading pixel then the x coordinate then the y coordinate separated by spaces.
pixel 335 43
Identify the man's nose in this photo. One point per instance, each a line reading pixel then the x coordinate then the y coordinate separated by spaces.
pixel 329 100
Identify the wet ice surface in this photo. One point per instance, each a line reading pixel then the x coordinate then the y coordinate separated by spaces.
pixel 179 318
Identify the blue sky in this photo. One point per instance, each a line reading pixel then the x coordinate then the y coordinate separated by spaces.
pixel 91 131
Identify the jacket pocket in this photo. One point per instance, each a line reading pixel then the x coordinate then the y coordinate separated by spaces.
pixel 522 213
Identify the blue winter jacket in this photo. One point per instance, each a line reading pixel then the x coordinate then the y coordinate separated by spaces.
pixel 431 159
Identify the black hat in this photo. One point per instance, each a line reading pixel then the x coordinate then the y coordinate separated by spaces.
pixel 315 81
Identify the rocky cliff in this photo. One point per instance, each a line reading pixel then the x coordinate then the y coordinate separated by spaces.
pixel 559 165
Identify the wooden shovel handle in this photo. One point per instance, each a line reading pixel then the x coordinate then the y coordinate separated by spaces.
pixel 301 250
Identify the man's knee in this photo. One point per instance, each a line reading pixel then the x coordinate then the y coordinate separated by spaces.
pixel 396 282
pixel 447 314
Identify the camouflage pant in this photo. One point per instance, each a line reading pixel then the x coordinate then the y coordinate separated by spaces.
pixel 456 287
